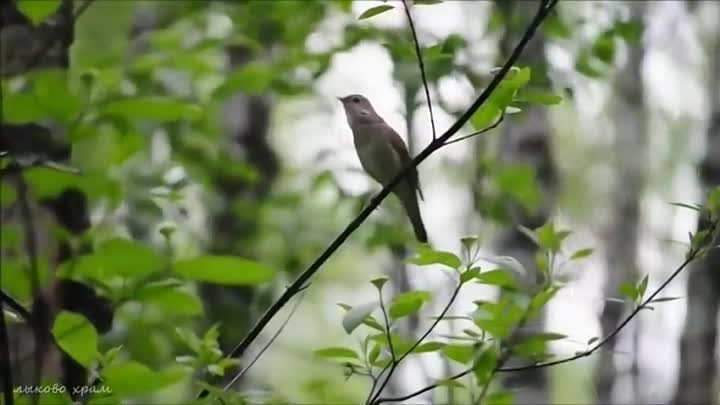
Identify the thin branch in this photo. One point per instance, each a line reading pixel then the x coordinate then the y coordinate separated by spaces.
pixel 544 9
pixel 423 390
pixel 421 64
pixel 269 343
pixel 15 306
pixel 393 359
pixel 476 133
pixel 692 255
pixel 416 344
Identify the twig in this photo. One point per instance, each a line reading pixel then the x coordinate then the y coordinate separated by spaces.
pixel 692 255
pixel 544 9
pixel 393 359
pixel 15 306
pixel 270 342
pixel 476 133
pixel 421 64
pixel 417 343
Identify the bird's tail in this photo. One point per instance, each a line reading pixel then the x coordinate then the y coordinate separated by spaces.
pixel 410 203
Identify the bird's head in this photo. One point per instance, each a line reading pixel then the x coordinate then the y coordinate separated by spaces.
pixel 359 110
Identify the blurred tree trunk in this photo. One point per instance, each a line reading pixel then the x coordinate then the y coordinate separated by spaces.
pixel 246 120
pixel 25 49
pixel 629 165
pixel 526 141
pixel 698 373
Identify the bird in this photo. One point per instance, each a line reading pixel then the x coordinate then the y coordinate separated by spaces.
pixel 383 154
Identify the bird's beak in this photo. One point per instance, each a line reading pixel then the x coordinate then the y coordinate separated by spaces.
pixel 340 99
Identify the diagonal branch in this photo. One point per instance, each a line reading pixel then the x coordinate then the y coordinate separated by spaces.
pixel 543 10
pixel 421 64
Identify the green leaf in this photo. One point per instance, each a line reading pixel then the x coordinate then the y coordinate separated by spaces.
pixel 253 78
pixel 21 108
pixel 604 48
pixel 549 238
pixel 54 97
pixel 460 353
pixel 581 254
pixel 538 97
pixel 336 352
pixel 172 301
pixel 426 256
pixel 484 366
pixel 631 31
pixel 592 340
pixel 498 277
pixel 518 182
pixel 693 207
pixel 539 301
pixel 152 108
pixel 642 287
pixel 355 316
pixel 77 337
pixel 373 11
pixel 427 2
pixel 666 299
pixel 485 116
pixel 128 258
pixel 629 291
pixel 408 303
pixel 38 10
pixel 429 347
pixel 499 398
pixel 133 378
pixel 226 270
pixel 469 274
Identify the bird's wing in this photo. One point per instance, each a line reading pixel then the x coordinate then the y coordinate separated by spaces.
pixel 399 146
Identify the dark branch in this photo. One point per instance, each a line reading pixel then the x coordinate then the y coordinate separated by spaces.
pixel 476 133
pixel 421 65
pixel 269 343
pixel 15 306
pixel 544 9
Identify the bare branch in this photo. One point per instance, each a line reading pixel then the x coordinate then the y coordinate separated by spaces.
pixel 15 306
pixel 421 65
pixel 269 343
pixel 7 379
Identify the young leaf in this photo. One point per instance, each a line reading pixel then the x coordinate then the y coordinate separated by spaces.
pixel 336 352
pixel 77 337
pixel 592 340
pixel 134 379
pixel 460 353
pixel 484 365
pixel 373 11
pixel 429 347
pixel 426 256
pixel 498 277
pixel 642 287
pixel 128 258
pixel 225 270
pixel 666 299
pixel 629 291
pixel 408 303
pixel 356 315
pixel 582 253
pixel 469 274
pixel 37 11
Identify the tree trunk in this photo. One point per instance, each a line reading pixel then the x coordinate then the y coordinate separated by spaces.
pixel 526 141
pixel 629 164
pixel 698 374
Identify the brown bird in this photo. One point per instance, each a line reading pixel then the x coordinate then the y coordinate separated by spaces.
pixel 383 154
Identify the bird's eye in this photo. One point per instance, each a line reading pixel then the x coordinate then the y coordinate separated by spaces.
pixel 355 100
